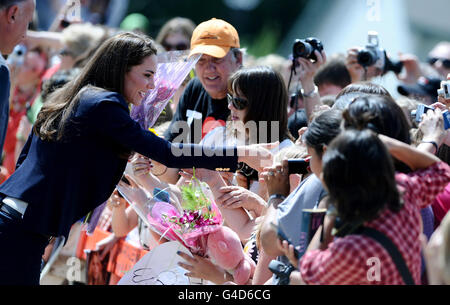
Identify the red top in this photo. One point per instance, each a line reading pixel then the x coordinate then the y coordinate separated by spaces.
pixel 441 205
pixel 360 260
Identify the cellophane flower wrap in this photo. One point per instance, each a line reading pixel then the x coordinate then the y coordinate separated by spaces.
pixel 152 207
pixel 172 69
pixel 191 225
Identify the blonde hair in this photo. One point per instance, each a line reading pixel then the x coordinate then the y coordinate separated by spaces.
pixel 291 152
pixel 81 39
pixel 277 62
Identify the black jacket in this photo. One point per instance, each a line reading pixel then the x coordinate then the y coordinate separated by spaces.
pixel 62 181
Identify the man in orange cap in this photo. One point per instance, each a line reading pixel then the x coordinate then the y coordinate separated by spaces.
pixel 203 105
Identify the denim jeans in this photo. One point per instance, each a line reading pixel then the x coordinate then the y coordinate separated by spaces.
pixel 20 252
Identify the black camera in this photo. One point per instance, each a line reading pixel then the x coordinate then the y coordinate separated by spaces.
pixel 281 271
pixel 249 172
pixel 374 55
pixel 298 166
pixel 305 48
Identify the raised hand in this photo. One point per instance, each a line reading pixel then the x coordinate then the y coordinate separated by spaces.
pixel 277 179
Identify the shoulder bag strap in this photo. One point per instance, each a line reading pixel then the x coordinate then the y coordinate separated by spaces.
pixel 393 252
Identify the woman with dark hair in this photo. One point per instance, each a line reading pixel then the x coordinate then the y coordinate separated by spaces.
pixel 256 96
pixel 371 200
pixel 353 91
pixel 258 101
pixel 259 95
pixel 78 151
pixel 382 115
pixel 287 213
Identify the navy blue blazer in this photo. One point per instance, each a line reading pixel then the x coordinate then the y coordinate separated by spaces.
pixel 62 181
pixel 4 101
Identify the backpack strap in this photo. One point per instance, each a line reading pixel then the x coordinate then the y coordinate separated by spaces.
pixel 393 251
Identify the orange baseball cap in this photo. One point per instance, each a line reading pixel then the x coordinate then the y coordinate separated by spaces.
pixel 214 37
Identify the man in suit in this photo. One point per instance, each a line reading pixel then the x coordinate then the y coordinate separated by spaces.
pixel 15 15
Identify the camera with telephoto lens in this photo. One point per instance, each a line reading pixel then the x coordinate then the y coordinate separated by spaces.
pixel 374 55
pixel 282 272
pixel 17 57
pixel 445 90
pixel 305 48
pixel 423 109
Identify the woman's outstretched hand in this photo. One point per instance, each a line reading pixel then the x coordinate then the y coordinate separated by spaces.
pixel 257 156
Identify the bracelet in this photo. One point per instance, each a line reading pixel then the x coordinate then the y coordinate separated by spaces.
pixel 275 196
pixel 434 144
pixel 310 94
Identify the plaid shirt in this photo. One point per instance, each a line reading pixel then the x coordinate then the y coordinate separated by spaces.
pixel 360 260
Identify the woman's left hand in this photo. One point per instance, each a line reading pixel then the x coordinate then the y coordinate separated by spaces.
pixel 257 156
pixel 202 268
pixel 277 179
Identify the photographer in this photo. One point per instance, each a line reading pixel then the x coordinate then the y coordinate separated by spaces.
pixel 437 65
pixel 304 67
pixel 363 64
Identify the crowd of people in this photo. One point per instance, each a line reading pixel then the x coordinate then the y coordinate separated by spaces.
pixel 374 165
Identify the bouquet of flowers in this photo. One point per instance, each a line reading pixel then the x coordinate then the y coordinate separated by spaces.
pixel 189 224
pixel 173 68
pixel 197 224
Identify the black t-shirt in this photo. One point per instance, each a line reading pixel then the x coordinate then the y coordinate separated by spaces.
pixel 197 114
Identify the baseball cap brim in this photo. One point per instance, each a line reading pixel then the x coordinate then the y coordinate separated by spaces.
pixel 211 50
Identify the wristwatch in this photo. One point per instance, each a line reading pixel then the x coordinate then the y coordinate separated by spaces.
pixel 310 94
pixel 275 196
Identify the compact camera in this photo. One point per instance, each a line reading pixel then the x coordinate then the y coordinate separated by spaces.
pixel 445 90
pixel 305 48
pixel 17 57
pixel 281 271
pixel 422 109
pixel 298 166
pixel 374 55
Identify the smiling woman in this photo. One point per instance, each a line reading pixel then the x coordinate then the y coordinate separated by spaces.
pixel 79 149
pixel 139 80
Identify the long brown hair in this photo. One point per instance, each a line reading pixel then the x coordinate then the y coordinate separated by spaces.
pixel 267 97
pixel 105 70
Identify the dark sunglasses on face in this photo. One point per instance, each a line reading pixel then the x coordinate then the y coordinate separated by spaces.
pixel 178 47
pixel 445 62
pixel 238 103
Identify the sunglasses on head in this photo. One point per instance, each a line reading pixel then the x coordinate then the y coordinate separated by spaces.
pixel 445 62
pixel 178 47
pixel 238 103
